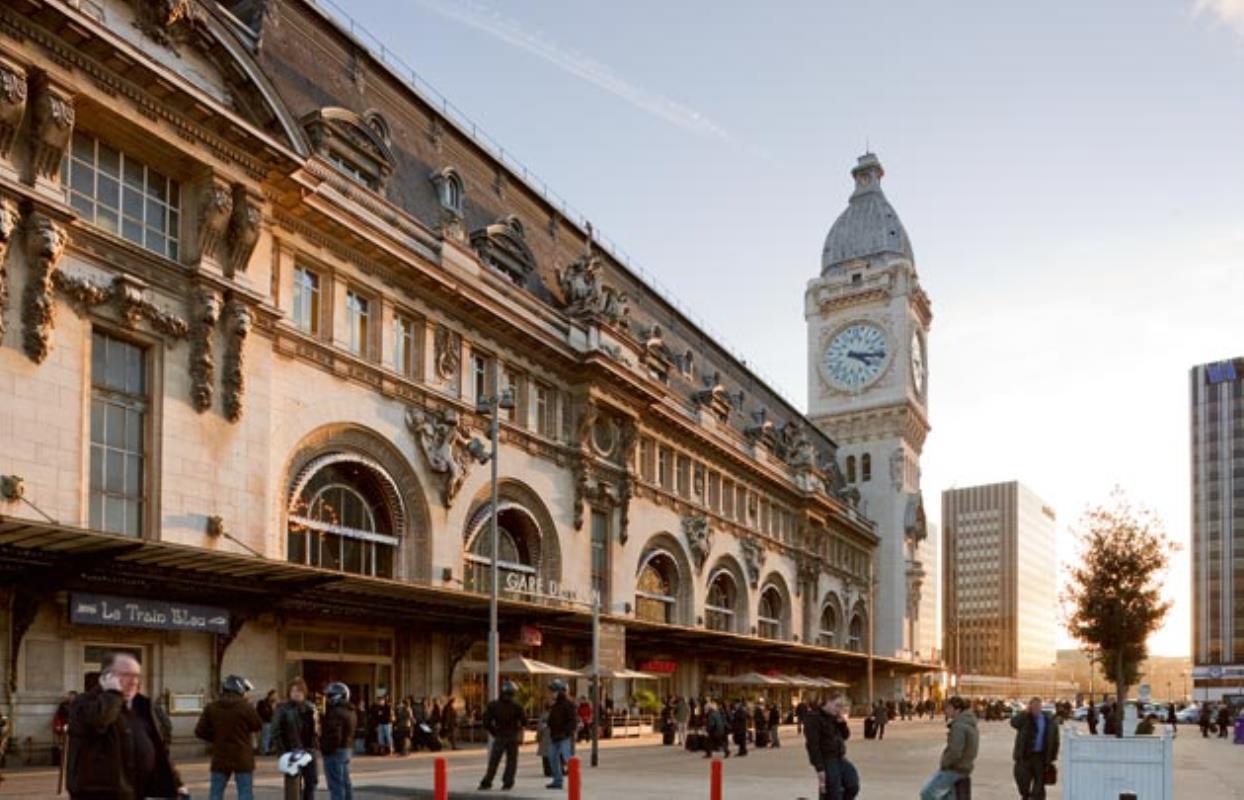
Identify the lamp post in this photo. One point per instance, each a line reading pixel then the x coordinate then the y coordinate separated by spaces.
pixel 1184 675
pixel 492 406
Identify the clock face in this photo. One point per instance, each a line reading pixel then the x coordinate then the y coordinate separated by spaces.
pixel 856 356
pixel 919 367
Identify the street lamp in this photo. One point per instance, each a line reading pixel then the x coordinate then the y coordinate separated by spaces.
pixel 492 406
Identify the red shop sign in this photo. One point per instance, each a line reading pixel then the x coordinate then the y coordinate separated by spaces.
pixel 659 667
pixel 530 636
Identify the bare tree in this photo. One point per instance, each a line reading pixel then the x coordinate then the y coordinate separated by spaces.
pixel 1115 595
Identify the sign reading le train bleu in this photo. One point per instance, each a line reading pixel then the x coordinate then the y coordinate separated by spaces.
pixel 129 612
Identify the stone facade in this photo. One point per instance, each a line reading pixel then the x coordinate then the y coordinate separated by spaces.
pixel 246 331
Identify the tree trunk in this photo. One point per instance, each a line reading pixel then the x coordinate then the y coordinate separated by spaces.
pixel 1122 688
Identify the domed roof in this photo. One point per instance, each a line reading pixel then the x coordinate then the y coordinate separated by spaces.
pixel 869 226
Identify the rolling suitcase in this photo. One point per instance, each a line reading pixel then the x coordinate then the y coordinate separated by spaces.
pixel 667 735
pixel 870 728
pixel 695 742
pixel 762 738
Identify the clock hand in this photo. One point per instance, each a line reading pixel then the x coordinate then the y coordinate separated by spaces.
pixel 866 357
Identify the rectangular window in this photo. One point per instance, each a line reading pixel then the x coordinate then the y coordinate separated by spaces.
pixel 727 499
pixel 481 376
pixel 118 435
pixel 307 300
pixel 358 323
pixel 404 345
pixel 714 492
pixel 546 411
pixel 600 556
pixel 121 194
pixel 740 504
pixel 665 475
pixel 684 476
pixel 647 459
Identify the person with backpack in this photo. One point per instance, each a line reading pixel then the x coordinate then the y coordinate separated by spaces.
pixel 738 726
pixel 337 740
pixel 562 724
pixel 504 719
pixel 293 730
pixel 716 730
pixel 825 732
pixel 229 724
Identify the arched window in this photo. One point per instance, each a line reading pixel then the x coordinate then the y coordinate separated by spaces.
pixel 850 469
pixel 828 633
pixel 453 193
pixel 866 467
pixel 656 588
pixel 450 189
pixel 516 535
pixel 342 517
pixel 855 634
pixel 719 607
pixel 769 615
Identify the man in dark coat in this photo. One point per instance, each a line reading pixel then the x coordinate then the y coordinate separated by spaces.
pixel 738 726
pixel 228 725
pixel 775 721
pixel 825 732
pixel 1036 747
pixel 337 740
pixel 293 728
pixel 1224 721
pixel 115 748
pixel 562 724
pixel 760 724
pixel 504 719
pixel 1204 718
pixel 1090 717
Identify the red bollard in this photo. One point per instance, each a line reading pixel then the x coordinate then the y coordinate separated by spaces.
pixel 714 789
pixel 576 783
pixel 441 779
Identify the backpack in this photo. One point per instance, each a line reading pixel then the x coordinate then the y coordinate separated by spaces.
pixel 716 725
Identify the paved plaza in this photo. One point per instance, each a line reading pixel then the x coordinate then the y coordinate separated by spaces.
pixel 893 769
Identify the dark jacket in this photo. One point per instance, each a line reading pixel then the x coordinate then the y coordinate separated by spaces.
pixel 738 720
pixel 760 720
pixel 504 719
pixel 715 724
pixel 101 755
pixel 449 720
pixel 563 720
pixel 227 724
pixel 824 737
pixel 293 727
pixel 962 742
pixel 1026 733
pixel 337 732
pixel 775 717
pixel 265 710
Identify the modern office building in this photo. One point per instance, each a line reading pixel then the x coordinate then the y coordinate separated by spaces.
pixel 1217 436
pixel 1000 578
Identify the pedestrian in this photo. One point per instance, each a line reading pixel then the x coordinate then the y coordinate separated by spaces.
pixel 959 756
pixel 738 725
pixel 60 727
pixel 449 723
pixel 337 740
pixel 882 716
pixel 403 728
pixel 825 732
pixel 384 726
pixel 115 749
pixel 1204 719
pixel 716 730
pixel 775 720
pixel 1036 749
pixel 801 711
pixel 562 723
pixel 1172 719
pixel 1224 720
pixel 293 730
pixel 682 716
pixel 1090 717
pixel 1147 726
pixel 228 725
pixel 504 719
pixel 265 708
pixel 760 724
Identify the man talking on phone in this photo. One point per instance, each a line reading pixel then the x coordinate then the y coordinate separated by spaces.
pixel 115 748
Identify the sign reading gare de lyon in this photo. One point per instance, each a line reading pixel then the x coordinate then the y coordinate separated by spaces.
pixel 536 586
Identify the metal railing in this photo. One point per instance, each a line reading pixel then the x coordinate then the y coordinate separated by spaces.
pixel 457 117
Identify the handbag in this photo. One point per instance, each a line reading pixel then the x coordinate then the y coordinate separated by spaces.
pixel 1050 776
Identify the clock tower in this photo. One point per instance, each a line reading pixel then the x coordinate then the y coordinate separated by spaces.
pixel 868 324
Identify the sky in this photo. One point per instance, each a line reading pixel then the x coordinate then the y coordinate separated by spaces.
pixel 1071 176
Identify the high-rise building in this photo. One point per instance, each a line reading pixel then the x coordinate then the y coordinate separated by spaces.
pixel 928 638
pixel 1217 399
pixel 1000 580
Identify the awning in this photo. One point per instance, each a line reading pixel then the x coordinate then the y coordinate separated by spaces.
pixel 622 674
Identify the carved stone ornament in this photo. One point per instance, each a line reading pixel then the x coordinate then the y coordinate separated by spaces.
pixel 51 127
pixel 243 234
pixel 167 22
pixel 447 353
pixel 808 571
pixel 796 448
pixel 699 536
pixel 897 464
pixel 215 208
pixel 714 397
pixel 656 356
pixel 762 430
pixel 207 307
pixel 444 438
pixel 127 294
pixel 238 320
pixel 753 559
pixel 45 242
pixel 8 228
pixel 590 487
pixel 12 104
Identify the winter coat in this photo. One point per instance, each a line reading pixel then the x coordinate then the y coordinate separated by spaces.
pixel 775 717
pixel 504 720
pixel 293 727
pixel 563 721
pixel 824 737
pixel 337 730
pixel 449 720
pixel 265 710
pixel 962 742
pixel 715 724
pixel 682 712
pixel 227 724
pixel 760 720
pixel 1026 733
pixel 738 721
pixel 100 763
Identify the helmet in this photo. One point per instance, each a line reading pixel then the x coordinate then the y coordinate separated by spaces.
pixel 508 689
pixel 292 762
pixel 337 692
pixel 236 684
pixel 557 685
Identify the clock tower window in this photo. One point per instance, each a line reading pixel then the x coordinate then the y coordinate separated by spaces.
pixel 866 468
pixel 850 469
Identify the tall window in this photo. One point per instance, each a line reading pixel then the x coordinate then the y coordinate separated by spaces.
pixel 647 459
pixel 727 499
pixel 118 435
pixel 866 467
pixel 769 615
pixel 546 411
pixel 122 195
pixel 719 613
pixel 358 323
pixel 404 345
pixel 600 555
pixel 656 588
pixel 481 375
pixel 714 492
pixel 829 626
pixel 850 469
pixel 341 520
pixel 665 475
pixel 307 300
pixel 855 634
pixel 684 476
pixel 517 542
